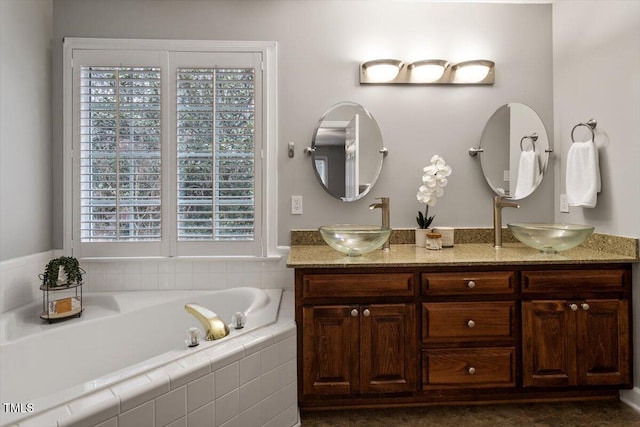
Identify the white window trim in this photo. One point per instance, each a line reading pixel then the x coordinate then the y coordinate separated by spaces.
pixel 269 177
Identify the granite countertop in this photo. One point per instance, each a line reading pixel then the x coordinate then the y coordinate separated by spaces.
pixel 466 254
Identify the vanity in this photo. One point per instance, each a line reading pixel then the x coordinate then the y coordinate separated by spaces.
pixel 465 324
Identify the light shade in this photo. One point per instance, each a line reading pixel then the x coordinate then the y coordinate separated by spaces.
pixel 428 71
pixel 381 70
pixel 473 71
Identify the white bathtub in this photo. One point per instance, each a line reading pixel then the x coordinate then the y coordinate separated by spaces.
pixel 121 338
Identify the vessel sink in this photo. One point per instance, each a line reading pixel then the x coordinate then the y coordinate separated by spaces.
pixel 551 238
pixel 354 240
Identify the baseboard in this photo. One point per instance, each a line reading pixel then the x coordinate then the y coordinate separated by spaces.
pixel 631 398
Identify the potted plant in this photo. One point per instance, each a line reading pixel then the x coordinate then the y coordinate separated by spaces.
pixel 62 271
pixel 433 182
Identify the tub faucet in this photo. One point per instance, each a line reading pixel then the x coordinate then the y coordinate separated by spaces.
pixel 384 206
pixel 500 202
pixel 214 327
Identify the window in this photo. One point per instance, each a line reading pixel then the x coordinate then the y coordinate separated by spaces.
pixel 170 145
pixel 120 154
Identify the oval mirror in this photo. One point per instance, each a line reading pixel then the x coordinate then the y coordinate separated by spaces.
pixel 514 151
pixel 347 151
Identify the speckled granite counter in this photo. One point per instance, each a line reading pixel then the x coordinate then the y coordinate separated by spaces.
pixel 470 254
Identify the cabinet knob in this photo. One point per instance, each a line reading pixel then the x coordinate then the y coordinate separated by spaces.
pixel 471 323
pixel 573 307
pixel 585 306
pixel 366 312
pixel 354 313
pixel 471 284
pixel 472 370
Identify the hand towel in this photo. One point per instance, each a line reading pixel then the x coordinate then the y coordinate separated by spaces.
pixel 528 174
pixel 583 174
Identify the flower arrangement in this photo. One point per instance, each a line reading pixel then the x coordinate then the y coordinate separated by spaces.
pixel 433 182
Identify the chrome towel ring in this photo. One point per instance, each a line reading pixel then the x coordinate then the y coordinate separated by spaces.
pixel 533 138
pixel 591 124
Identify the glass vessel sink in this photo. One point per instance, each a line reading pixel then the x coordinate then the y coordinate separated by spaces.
pixel 551 238
pixel 354 240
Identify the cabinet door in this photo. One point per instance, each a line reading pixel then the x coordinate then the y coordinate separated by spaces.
pixel 603 342
pixel 330 349
pixel 548 344
pixel 388 348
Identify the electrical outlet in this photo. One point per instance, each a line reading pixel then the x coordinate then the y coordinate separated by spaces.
pixel 296 205
pixel 564 203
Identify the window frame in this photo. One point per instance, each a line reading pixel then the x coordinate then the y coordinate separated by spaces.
pixel 266 220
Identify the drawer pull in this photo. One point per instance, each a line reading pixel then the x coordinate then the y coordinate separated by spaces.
pixel 471 323
pixel 573 307
pixel 472 370
pixel 585 306
pixel 366 312
pixel 471 284
pixel 354 313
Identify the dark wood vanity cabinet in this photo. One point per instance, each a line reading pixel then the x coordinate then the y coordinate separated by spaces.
pixel 354 341
pixel 406 336
pixel 582 339
pixel 359 348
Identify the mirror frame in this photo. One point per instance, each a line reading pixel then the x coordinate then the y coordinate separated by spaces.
pixel 495 135
pixel 364 119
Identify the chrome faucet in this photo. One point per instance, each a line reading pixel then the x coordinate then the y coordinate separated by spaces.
pixel 214 327
pixel 384 206
pixel 499 202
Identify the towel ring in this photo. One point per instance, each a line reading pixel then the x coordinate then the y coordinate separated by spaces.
pixel 590 124
pixel 533 137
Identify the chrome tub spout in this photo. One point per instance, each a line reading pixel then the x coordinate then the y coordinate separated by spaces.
pixel 214 327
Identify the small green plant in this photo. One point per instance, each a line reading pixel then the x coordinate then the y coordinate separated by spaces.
pixel 424 221
pixel 71 268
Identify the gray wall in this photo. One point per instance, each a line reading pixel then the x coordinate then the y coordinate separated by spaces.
pixel 25 127
pixel 597 75
pixel 320 44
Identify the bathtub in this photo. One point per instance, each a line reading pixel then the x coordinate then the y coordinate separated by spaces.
pixel 85 371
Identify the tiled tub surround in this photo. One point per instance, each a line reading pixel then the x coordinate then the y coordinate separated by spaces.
pixel 19 283
pixel 245 379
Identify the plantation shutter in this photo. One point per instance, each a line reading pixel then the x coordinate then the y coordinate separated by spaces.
pixel 216 154
pixel 218 144
pixel 120 153
pixel 166 153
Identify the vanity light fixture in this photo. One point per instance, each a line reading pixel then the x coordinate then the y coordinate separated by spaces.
pixel 381 70
pixel 476 71
pixel 428 72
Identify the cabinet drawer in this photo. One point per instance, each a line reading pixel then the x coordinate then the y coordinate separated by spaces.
pixel 356 285
pixel 574 280
pixel 467 321
pixel 472 367
pixel 493 282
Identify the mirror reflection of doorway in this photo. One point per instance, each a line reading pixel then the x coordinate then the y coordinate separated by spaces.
pixel 322 166
pixel 351 164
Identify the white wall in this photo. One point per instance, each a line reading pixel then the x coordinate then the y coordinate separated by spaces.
pixel 596 69
pixel 25 127
pixel 320 44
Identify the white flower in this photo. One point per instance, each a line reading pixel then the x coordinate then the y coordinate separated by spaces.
pixel 434 180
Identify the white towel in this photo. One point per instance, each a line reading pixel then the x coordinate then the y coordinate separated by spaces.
pixel 528 174
pixel 583 174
